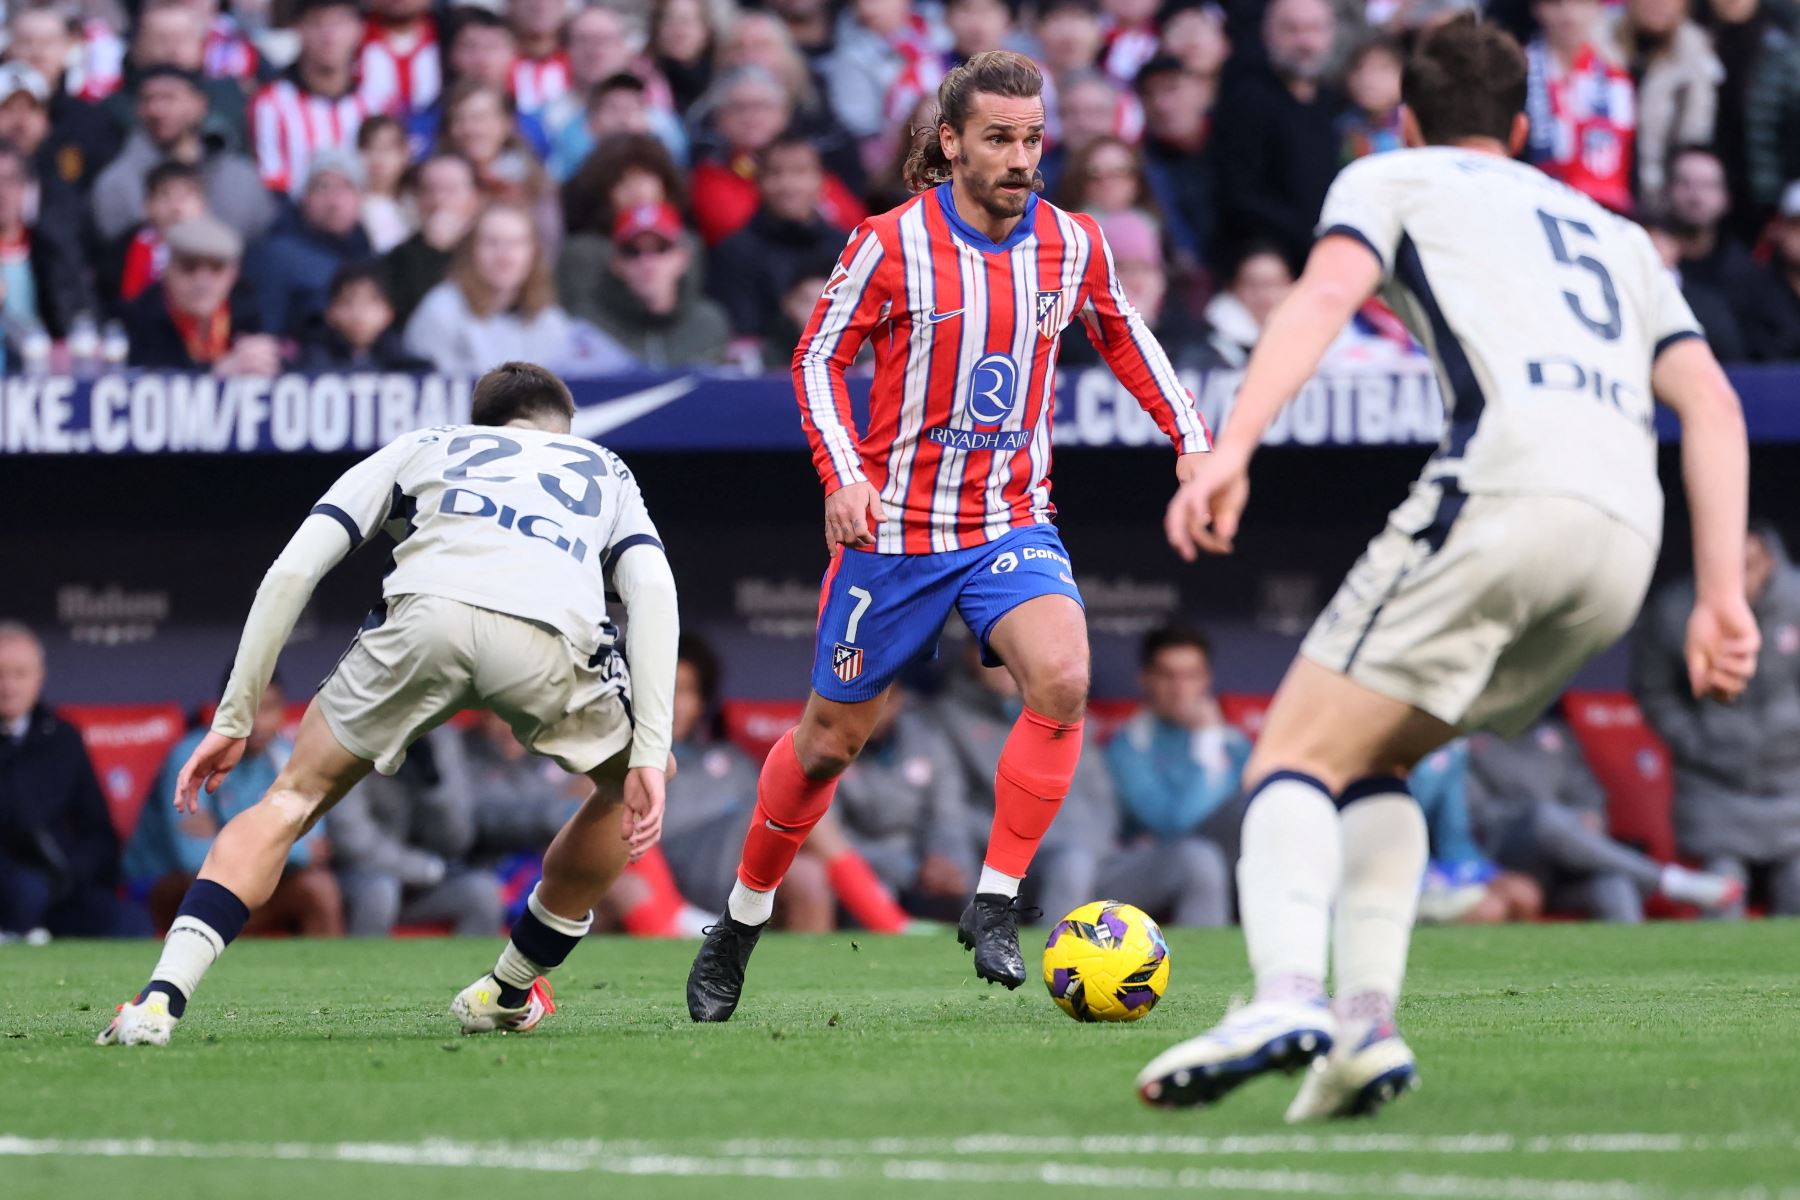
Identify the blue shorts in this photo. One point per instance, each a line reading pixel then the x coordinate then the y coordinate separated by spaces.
pixel 881 613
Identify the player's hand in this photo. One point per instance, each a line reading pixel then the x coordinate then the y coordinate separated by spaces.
pixel 852 514
pixel 1722 644
pixel 1206 509
pixel 643 809
pixel 209 764
pixel 1188 465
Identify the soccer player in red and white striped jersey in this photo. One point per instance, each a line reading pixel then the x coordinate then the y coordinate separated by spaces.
pixel 400 54
pixel 317 104
pixel 944 501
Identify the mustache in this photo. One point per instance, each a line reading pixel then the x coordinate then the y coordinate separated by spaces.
pixel 1034 181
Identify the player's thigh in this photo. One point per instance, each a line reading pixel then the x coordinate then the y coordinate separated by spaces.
pixel 1329 726
pixel 1021 601
pixel 318 773
pixel 878 615
pixel 399 679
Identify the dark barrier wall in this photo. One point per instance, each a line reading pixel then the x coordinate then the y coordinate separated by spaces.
pixel 138 569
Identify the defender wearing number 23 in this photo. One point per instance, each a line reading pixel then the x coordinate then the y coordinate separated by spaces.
pixel 943 503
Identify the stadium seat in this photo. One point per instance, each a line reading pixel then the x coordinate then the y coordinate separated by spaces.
pixel 127 744
pixel 756 725
pixel 1106 716
pixel 1246 710
pixel 1631 763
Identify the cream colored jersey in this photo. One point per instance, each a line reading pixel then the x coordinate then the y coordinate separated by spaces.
pixel 517 521
pixel 1542 311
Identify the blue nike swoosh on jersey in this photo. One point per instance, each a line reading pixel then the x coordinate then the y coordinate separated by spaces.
pixel 934 318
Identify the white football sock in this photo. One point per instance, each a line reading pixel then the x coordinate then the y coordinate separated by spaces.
pixel 1287 878
pixel 747 906
pixel 189 951
pixel 1385 846
pixel 998 883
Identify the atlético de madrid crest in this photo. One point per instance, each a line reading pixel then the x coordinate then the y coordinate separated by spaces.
pixel 1050 316
pixel 846 662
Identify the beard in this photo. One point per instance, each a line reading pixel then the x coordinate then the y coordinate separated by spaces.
pixel 997 203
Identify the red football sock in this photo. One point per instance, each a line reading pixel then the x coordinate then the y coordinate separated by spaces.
pixel 1036 765
pixel 655 915
pixel 861 891
pixel 788 805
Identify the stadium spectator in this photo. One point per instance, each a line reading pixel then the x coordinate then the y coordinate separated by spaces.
pixel 1737 766
pixel 540 70
pixel 1177 103
pixel 1275 140
pixel 1542 812
pixel 710 800
pixel 195 319
pixel 317 104
pixel 1774 331
pixel 1758 128
pixel 43 281
pixel 758 39
pixel 809 24
pixel 609 93
pixel 1718 321
pixel 1462 885
pixel 166 848
pixel 1677 78
pixel 482 50
pixel 1698 203
pixel 623 172
pixel 357 331
pixel 684 36
pixel 903 803
pixel 1132 37
pixel 1070 37
pixel 385 217
pixel 788 322
pixel 400 55
pixel 751 270
pixel 1106 177
pixel 291 270
pixel 650 302
pixel 1372 83
pixel 1087 109
pixel 172 124
pixel 1138 259
pixel 744 114
pixel 81 139
pixel 173 192
pixel 171 33
pixel 497 303
pixel 976 712
pixel 1195 34
pixel 227 53
pixel 878 41
pixel 59 856
pixel 887 185
pixel 401 844
pixel 447 200
pixel 1255 283
pixel 481 126
pixel 1178 768
pixel 1581 103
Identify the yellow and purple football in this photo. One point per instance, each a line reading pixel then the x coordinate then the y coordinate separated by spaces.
pixel 1106 961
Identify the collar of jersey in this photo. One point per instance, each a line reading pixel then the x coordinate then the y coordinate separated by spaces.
pixel 978 239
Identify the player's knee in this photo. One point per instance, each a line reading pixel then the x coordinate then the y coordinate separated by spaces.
pixel 1059 689
pixel 827 748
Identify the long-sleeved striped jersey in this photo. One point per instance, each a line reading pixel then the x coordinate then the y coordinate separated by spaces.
pixel 291 124
pixel 966 331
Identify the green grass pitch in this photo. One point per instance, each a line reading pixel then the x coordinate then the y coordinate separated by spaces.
pixel 1559 1062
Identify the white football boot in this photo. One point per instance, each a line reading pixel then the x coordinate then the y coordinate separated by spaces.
pixel 1358 1078
pixel 1270 1035
pixel 145 1021
pixel 477 1007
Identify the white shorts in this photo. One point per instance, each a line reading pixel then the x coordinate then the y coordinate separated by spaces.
pixel 1479 609
pixel 433 657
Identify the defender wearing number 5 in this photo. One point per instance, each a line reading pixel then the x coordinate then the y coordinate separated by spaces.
pixel 509 533
pixel 944 502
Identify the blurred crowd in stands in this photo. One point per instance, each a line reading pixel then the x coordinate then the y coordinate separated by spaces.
pixel 1518 828
pixel 397 184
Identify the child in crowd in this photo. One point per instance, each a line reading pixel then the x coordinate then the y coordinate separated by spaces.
pixel 386 216
pixel 1372 123
pixel 356 331
pixel 172 193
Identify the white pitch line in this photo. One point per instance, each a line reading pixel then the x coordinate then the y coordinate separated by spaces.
pixel 641 1159
pixel 1285 1145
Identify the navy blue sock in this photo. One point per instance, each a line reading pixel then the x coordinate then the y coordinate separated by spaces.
pixel 177 998
pixel 215 904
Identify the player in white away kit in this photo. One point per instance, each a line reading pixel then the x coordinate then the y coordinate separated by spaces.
pixel 510 532
pixel 1524 549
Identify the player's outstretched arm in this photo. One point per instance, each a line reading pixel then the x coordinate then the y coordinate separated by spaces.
pixel 1722 638
pixel 1340 275
pixel 646 585
pixel 317 546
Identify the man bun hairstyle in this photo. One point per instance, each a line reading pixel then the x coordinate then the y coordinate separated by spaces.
pixel 1466 79
pixel 516 391
pixel 995 73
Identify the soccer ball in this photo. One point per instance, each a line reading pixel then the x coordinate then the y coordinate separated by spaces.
pixel 1106 961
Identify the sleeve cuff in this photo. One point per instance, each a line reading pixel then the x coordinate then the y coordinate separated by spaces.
pixel 1352 232
pixel 1663 343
